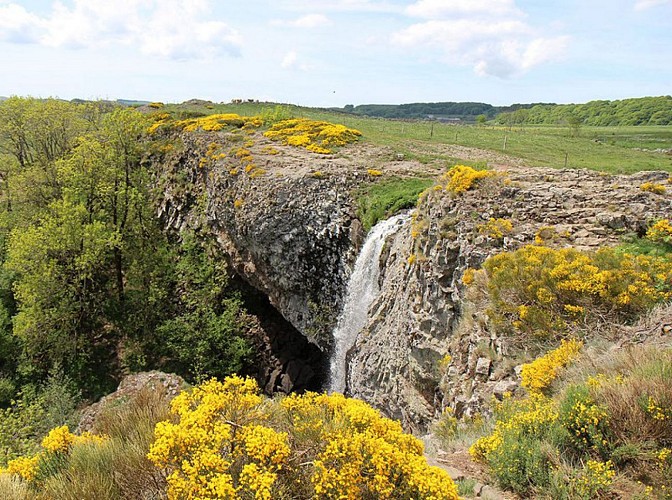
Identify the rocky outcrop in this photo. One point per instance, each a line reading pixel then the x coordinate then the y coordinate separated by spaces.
pixel 288 230
pixel 162 386
pixel 399 361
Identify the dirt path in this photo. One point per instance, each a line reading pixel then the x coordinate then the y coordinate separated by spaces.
pixel 461 468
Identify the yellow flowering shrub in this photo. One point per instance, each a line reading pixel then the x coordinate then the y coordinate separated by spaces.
pixel 210 123
pixel 461 178
pixel 529 416
pixel 592 481
pixel 652 187
pixel 216 122
pixel 658 410
pixel 316 136
pixel 229 442
pixel 540 373
pixel 495 228
pixel 269 150
pixel 374 173
pixel 320 150
pixel 586 421
pixel 541 291
pixel 660 232
pixel 59 442
pixel 24 467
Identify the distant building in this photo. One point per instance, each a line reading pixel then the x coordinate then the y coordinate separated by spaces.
pixel 453 121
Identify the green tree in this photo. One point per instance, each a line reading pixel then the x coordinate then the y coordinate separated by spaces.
pixel 70 258
pixel 204 336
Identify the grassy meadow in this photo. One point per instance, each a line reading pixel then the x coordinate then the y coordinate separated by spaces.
pixel 610 149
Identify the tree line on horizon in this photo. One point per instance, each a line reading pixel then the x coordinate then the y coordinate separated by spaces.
pixel 636 111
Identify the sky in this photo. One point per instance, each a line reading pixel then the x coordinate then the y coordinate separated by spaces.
pixel 337 52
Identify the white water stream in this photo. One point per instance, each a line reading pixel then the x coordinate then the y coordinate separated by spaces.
pixel 362 291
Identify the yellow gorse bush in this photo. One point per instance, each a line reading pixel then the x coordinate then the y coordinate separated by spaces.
pixel 660 232
pixel 24 467
pixel 59 441
pixel 540 373
pixel 214 123
pixel 539 290
pixel 461 178
pixel 529 416
pixel 229 442
pixel 495 228
pixel 652 187
pixel 316 136
pixel 210 123
pixel 595 478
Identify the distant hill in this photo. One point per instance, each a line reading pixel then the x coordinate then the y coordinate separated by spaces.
pixel 131 102
pixel 466 111
pixel 3 98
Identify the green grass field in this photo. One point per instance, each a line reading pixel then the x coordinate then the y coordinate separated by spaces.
pixel 609 149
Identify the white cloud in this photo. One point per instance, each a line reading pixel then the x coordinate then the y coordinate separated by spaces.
pixel 647 4
pixel 174 29
pixel 17 25
pixel 307 21
pixel 491 36
pixel 343 5
pixel 289 60
pixel 432 9
pixel 292 61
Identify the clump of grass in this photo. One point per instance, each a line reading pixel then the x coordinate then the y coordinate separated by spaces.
pixel 12 487
pixel 466 487
pixel 381 200
pixel 110 463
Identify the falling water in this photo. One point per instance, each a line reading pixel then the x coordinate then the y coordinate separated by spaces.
pixel 362 291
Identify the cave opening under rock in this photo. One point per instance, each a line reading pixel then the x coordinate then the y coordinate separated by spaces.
pixel 284 361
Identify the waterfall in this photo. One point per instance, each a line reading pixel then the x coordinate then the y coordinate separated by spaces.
pixel 362 291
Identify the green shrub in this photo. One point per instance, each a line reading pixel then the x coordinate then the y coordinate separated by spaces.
pixel 587 422
pixel 33 414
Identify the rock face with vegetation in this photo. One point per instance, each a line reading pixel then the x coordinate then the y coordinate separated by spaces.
pixel 402 360
pixel 533 283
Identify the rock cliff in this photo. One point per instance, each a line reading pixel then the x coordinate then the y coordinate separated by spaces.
pixel 290 232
